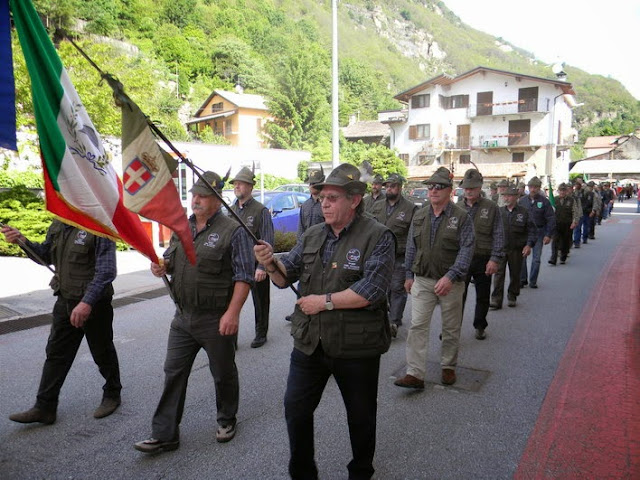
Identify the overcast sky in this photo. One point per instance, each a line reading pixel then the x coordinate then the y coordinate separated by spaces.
pixel 597 37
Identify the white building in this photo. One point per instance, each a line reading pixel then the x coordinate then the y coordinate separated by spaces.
pixel 510 125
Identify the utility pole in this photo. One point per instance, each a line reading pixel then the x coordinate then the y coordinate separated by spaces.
pixel 335 137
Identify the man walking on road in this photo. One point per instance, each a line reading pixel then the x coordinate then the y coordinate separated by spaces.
pixel 439 250
pixel 257 217
pixel 567 218
pixel 396 212
pixel 340 326
pixel 519 237
pixel 542 214
pixel 489 251
pixel 209 297
pixel 376 195
pixel 85 267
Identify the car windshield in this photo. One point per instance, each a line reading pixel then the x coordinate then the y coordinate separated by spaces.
pixel 276 201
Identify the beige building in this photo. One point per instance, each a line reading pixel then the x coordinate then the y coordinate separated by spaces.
pixel 238 117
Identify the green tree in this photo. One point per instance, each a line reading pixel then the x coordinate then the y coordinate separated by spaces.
pixel 299 103
pixel 383 161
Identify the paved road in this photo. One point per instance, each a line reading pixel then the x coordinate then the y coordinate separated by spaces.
pixel 477 429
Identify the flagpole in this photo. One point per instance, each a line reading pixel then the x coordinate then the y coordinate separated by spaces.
pixel 31 253
pixel 118 90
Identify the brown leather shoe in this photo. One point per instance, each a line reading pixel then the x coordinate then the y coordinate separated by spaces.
pixel 448 376
pixel 34 415
pixel 409 381
pixel 107 407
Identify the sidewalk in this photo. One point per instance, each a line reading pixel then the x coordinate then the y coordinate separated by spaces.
pixel 25 292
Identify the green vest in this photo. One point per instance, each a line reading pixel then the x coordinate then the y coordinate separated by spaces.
pixel 564 210
pixel 207 285
pixel 516 227
pixel 485 215
pixel 369 202
pixel 251 215
pixel 434 262
pixel 73 252
pixel 345 333
pixel 399 221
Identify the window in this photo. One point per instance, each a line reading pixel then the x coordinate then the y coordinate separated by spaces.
pixel 465 158
pixel 420 101
pixel 517 157
pixel 228 129
pixel 217 107
pixel 419 132
pixel 455 101
pixel 528 99
pixel 405 158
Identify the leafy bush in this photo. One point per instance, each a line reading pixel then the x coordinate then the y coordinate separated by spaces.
pixel 24 210
pixel 284 241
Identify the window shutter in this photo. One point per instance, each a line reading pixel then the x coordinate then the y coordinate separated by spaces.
pixel 413 132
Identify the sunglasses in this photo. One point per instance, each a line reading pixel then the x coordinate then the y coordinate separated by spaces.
pixel 437 186
pixel 332 198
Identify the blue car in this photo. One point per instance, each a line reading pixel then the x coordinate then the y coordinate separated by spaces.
pixel 284 208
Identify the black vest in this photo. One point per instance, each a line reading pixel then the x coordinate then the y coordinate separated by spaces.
pixel 208 284
pixel 345 333
pixel 251 215
pixel 564 210
pixel 516 227
pixel 434 262
pixel 73 253
pixel 485 214
pixel 399 221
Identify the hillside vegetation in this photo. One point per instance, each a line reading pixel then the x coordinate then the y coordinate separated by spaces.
pixel 170 55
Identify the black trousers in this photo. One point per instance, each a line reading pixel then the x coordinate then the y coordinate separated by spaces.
pixel 513 258
pixel 261 303
pixel 482 283
pixel 561 242
pixel 62 347
pixel 357 379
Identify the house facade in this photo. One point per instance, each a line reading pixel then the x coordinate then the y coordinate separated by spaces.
pixel 610 158
pixel 508 124
pixel 239 117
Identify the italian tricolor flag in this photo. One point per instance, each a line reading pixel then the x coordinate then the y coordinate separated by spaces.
pixel 81 186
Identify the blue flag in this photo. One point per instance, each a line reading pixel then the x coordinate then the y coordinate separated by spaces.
pixel 7 84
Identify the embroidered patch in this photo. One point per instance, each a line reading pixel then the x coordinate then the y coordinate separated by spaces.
pixel 81 237
pixel 353 257
pixel 453 223
pixel 539 204
pixel 484 213
pixel 400 216
pixel 249 221
pixel 212 240
pixel 519 218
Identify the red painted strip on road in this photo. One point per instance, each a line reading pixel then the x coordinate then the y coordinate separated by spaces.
pixel 589 423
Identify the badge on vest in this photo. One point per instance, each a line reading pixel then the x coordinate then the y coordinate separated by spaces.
pixel 520 218
pixel 81 237
pixel 353 257
pixel 539 204
pixel 484 213
pixel 249 221
pixel 453 223
pixel 400 216
pixel 212 240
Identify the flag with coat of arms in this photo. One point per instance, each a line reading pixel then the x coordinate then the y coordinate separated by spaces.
pixel 81 186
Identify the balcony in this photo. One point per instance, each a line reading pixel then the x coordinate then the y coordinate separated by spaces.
pixel 508 141
pixel 539 106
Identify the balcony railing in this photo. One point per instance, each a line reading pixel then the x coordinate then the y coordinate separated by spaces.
pixel 521 139
pixel 531 105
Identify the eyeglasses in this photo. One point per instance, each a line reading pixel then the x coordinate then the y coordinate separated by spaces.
pixel 437 186
pixel 332 198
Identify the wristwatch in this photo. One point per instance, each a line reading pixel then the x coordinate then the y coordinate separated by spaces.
pixel 328 303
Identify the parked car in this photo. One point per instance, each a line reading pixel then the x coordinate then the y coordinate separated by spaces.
pixel 419 196
pixel 284 207
pixel 292 187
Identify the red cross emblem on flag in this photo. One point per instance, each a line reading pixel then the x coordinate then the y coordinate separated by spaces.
pixel 136 176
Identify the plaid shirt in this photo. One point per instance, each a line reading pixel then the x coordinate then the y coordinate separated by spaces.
pixel 459 269
pixel 378 268
pixel 105 269
pixel 310 214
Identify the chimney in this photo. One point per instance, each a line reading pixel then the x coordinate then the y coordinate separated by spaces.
pixel 239 89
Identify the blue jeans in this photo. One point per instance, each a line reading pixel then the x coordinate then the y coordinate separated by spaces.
pixel 582 229
pixel 357 380
pixel 536 254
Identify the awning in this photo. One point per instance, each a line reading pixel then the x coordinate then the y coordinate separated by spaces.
pixel 211 117
pixel 608 167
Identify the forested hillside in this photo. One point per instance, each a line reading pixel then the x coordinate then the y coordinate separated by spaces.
pixel 170 55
